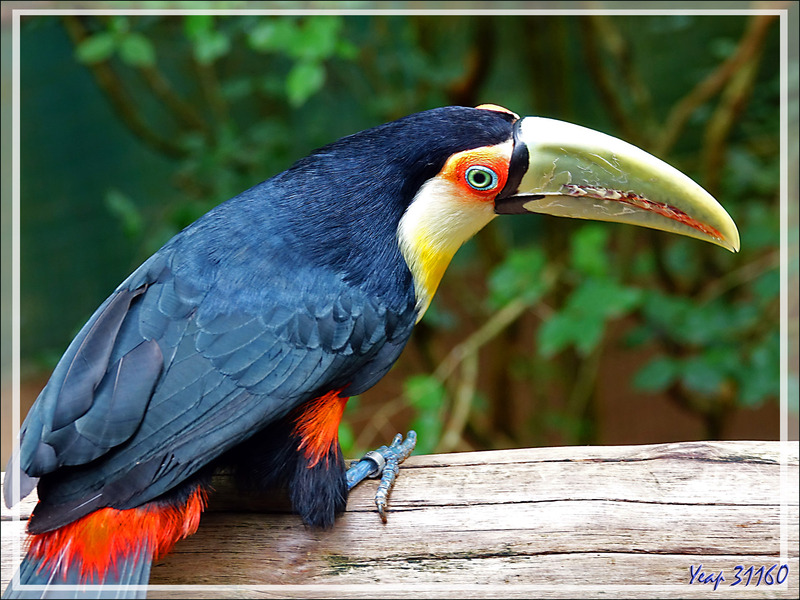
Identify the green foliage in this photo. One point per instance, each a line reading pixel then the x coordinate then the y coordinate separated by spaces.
pixel 137 51
pixel 589 250
pixel 126 211
pixel 520 275
pixel 209 42
pixel 304 80
pixel 658 374
pixel 759 379
pixel 347 439
pixel 347 436
pixel 596 299
pixel 582 320
pixel 308 43
pixel 134 48
pixel 705 374
pixel 692 324
pixel 97 48
pixel 426 395
pixel 716 344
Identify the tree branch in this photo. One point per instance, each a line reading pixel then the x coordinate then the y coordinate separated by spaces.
pixel 741 276
pixel 489 330
pixel 749 45
pixel 462 404
pixel 108 81
pixel 734 99
pixel 182 110
pixel 603 80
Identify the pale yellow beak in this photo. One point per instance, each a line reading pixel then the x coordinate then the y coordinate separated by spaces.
pixel 577 172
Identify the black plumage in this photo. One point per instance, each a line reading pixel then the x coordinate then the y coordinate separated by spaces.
pixel 291 290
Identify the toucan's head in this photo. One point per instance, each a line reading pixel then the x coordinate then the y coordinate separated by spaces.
pixel 503 164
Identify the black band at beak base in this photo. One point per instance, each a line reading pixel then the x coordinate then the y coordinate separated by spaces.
pixel 517 166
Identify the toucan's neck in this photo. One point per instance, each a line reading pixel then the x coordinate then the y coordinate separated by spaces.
pixel 432 229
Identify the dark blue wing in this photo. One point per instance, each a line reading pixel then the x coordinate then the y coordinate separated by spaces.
pixel 181 364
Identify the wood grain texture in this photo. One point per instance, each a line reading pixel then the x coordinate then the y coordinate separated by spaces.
pixel 622 522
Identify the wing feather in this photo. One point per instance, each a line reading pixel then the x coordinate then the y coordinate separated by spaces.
pixel 175 371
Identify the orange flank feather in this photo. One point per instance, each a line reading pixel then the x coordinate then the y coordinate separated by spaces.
pixel 96 542
pixel 317 425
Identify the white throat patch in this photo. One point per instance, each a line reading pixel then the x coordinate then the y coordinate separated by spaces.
pixel 439 220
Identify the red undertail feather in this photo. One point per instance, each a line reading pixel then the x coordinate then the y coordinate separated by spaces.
pixel 94 543
pixel 317 426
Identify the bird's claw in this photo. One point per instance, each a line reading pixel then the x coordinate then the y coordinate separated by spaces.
pixel 384 463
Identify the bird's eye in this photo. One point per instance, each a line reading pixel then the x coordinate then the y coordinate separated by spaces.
pixel 481 178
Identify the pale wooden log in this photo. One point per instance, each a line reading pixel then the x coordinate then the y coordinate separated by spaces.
pixel 624 522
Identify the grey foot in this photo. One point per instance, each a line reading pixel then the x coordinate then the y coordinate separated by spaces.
pixel 384 463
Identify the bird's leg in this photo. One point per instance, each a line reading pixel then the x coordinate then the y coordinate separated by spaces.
pixel 384 463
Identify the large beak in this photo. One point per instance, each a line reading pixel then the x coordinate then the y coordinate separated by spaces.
pixel 566 170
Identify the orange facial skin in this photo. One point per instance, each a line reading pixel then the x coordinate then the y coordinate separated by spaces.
pixel 496 158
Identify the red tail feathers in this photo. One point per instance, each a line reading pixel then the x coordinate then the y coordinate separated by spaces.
pixel 95 543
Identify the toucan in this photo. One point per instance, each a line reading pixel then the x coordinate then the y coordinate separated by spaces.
pixel 237 344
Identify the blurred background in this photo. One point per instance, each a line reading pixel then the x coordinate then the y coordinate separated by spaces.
pixel 545 331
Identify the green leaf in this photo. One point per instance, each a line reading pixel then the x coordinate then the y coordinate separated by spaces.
pixel 684 321
pixel 136 50
pixel 567 329
pixel 429 431
pixel 195 26
pixel 712 323
pixel 664 311
pixel 760 379
pixel 557 333
pixel 426 395
pixel 571 426
pixel 424 392
pixel 723 47
pixel 746 174
pixel 683 259
pixel 272 85
pixel 303 81
pixel 317 38
pixel 236 89
pixel 119 24
pixel 603 298
pixel 210 46
pixel 589 250
pixel 126 211
pixel 704 325
pixel 702 376
pixel 768 286
pixel 347 439
pixel 582 320
pixel 96 48
pixel 274 35
pixel 440 318
pixel 520 275
pixel 591 334
pixel 346 50
pixel 643 264
pixel 209 43
pixel 260 37
pixel 657 375
pixel 638 336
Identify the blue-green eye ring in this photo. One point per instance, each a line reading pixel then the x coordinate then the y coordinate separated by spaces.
pixel 481 178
